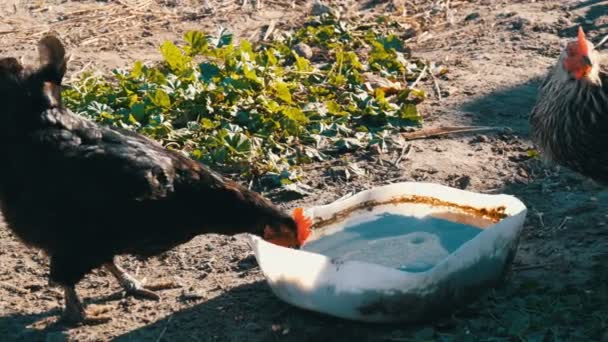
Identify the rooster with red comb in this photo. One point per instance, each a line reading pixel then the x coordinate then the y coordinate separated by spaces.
pixel 569 122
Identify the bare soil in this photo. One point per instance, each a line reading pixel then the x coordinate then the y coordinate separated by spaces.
pixel 496 52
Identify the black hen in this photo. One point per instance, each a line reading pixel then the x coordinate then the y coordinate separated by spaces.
pixel 85 193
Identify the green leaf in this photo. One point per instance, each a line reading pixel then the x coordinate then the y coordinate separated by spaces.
pixel 176 60
pixel 238 142
pixel 282 91
pixel 302 64
pixel 532 153
pixel 409 112
pixel 161 99
pixel 380 96
pixel 334 108
pixel 295 114
pixel 417 93
pixel 197 43
pixel 251 75
pixel 155 76
pixel 270 57
pixel 208 72
pixel 224 38
pixel 137 70
pixel 138 111
pixel 348 144
pixel 219 155
pixel 391 42
pixel 246 48
pixel 208 124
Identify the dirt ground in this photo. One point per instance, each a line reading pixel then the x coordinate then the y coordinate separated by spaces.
pixel 495 50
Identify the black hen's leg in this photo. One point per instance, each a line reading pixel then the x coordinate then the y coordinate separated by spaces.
pixel 67 271
pixel 74 311
pixel 129 283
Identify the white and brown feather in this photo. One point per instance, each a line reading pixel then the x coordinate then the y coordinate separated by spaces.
pixel 569 122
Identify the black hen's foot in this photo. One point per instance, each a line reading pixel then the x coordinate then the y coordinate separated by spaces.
pixel 74 313
pixel 133 287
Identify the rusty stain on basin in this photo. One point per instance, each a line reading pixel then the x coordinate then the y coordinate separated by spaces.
pixel 480 217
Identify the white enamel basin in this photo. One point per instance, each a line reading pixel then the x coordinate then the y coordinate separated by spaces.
pixel 371 292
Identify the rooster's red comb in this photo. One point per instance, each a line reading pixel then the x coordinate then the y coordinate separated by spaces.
pixel 582 42
pixel 303 223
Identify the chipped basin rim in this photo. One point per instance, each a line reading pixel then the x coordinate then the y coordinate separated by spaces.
pixel 373 293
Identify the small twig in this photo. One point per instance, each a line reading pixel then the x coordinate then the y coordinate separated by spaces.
pixel 540 219
pixel 563 223
pixel 405 151
pixel 413 85
pixel 254 34
pixel 81 70
pixel 317 73
pixel 605 39
pixel 380 161
pixel 437 89
pixel 490 191
pixel 531 267
pixel 162 333
pixel 396 179
pixel 495 318
pixel 439 131
pixel 269 30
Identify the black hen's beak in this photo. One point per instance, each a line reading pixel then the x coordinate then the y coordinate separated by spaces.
pixel 52 93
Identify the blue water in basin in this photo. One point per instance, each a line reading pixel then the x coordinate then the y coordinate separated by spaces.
pixel 404 242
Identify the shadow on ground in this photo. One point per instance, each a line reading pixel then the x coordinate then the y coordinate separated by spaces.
pixel 508 107
pixel 594 10
pixel 16 327
pixel 238 315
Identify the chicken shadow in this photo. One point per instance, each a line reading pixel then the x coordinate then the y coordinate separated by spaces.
pixel 17 327
pixel 242 313
pixel 252 313
pixel 596 9
pixel 506 107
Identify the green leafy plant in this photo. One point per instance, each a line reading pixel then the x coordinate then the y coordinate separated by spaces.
pixel 261 108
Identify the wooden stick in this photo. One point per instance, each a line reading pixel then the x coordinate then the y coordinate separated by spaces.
pixel 439 131
pixel 531 267
pixel 602 41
